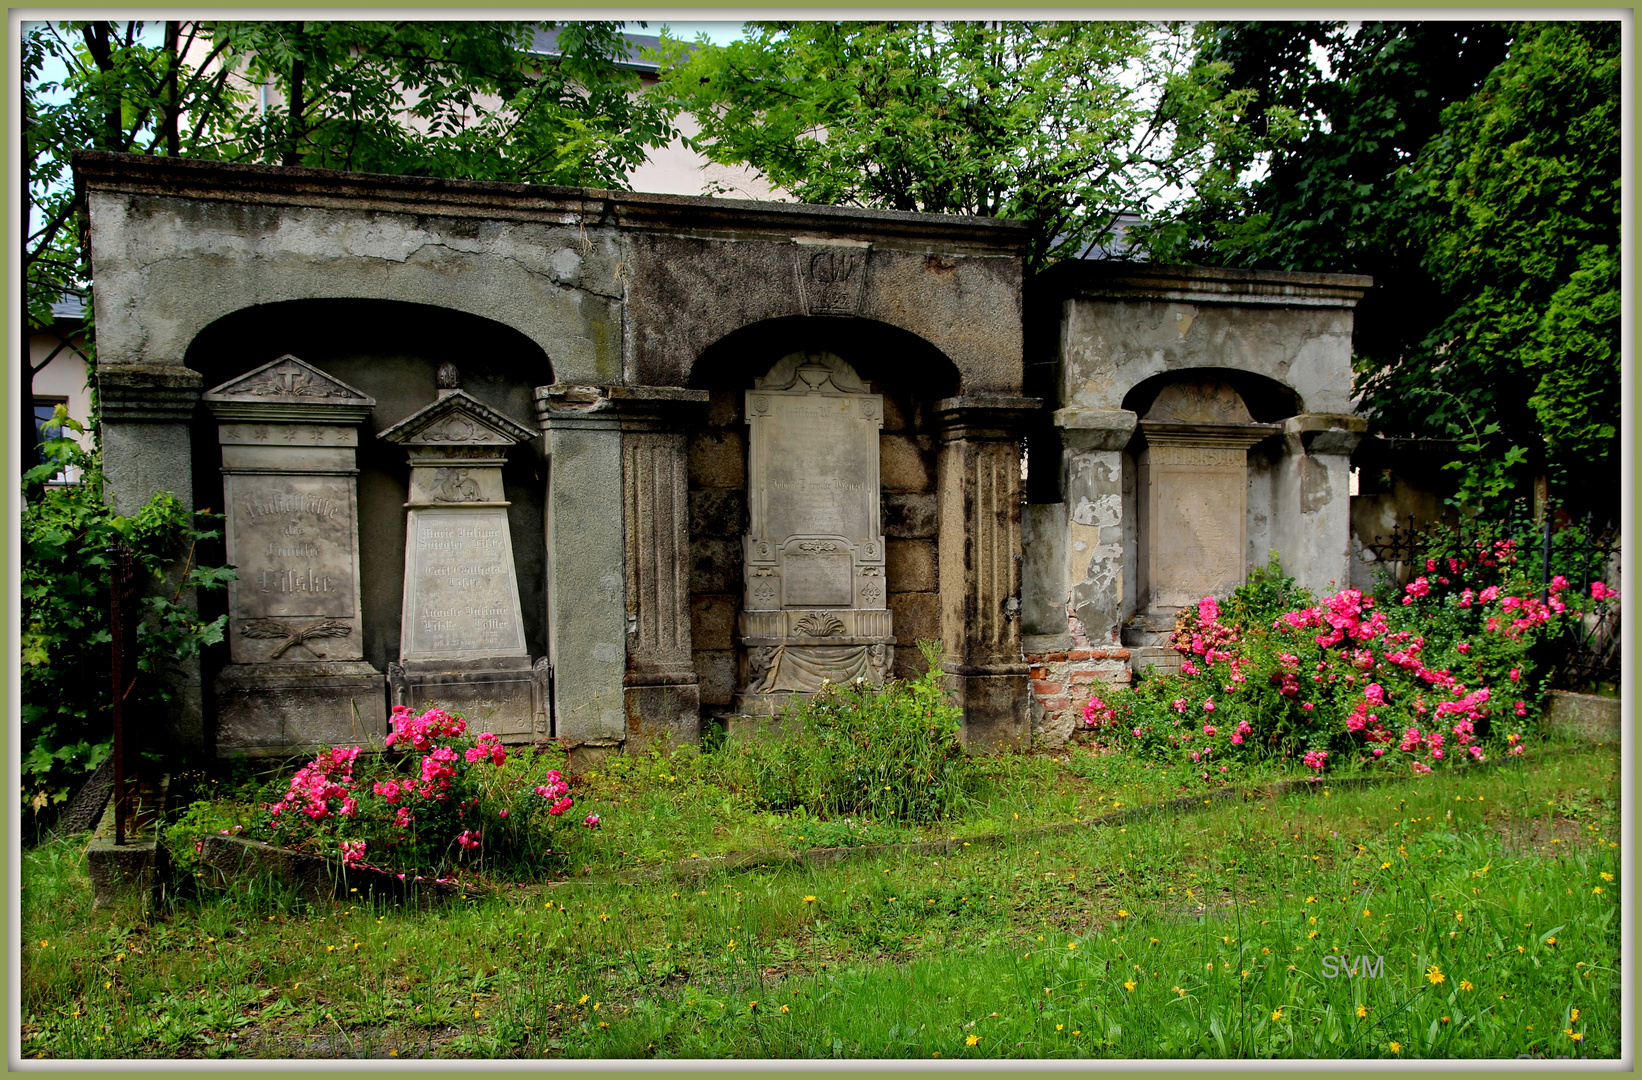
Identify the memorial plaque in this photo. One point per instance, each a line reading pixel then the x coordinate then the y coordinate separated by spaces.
pixel 818 580
pixel 819 454
pixel 461 600
pixel 814 609
pixel 296 678
pixel 461 633
pixel 1199 545
pixel 291 541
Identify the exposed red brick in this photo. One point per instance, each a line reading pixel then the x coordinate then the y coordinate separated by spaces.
pixel 1055 657
pixel 1078 654
pixel 1097 654
pixel 1040 672
pixel 1119 654
pixel 1045 689
pixel 1088 676
pixel 1054 704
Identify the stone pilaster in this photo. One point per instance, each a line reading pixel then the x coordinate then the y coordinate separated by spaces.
pixel 661 695
pixel 145 412
pixel 978 483
pixel 1312 499
pixel 586 568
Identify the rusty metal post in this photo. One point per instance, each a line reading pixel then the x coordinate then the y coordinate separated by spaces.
pixel 119 585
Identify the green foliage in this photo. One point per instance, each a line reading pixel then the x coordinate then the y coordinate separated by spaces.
pixel 1447 671
pixel 1063 124
pixel 455 99
pixel 890 753
pixel 1473 170
pixel 66 566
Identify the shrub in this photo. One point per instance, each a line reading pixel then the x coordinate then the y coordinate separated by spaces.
pixel 66 532
pixel 434 802
pixel 889 752
pixel 1446 672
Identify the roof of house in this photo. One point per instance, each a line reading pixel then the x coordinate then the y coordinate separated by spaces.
pixel 546 43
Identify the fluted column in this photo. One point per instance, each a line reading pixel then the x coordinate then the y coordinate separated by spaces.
pixel 661 696
pixel 978 481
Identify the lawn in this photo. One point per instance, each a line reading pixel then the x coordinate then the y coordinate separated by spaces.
pixel 1467 913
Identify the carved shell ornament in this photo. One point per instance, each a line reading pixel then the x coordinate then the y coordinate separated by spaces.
pixel 818 624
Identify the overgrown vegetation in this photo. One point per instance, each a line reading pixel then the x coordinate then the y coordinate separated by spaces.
pixel 1489 894
pixel 1445 672
pixel 67 532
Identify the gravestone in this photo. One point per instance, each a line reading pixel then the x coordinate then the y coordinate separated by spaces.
pixel 1192 490
pixel 461 640
pixel 814 606
pixel 296 678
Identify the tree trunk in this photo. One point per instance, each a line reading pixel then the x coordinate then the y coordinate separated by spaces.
pixel 294 108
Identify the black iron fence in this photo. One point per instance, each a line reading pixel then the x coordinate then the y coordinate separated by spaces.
pixel 1582 550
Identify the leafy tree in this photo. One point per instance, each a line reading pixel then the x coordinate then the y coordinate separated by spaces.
pixel 463 99
pixel 1472 169
pixel 1066 125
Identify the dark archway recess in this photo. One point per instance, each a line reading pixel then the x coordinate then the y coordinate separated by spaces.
pixel 886 355
pixel 912 375
pixel 1268 400
pixel 390 350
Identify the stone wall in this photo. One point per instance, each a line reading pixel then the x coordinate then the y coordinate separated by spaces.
pixel 1108 342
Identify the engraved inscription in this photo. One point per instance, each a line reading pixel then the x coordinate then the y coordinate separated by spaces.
pixel 291 541
pixel 461 597
pixel 817 581
pixel 1198 455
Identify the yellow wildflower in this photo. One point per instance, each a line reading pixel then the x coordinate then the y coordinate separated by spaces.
pixel 972 1040
pixel 1129 986
pixel 1396 1048
pixel 1465 984
pixel 1362 1011
pixel 1435 975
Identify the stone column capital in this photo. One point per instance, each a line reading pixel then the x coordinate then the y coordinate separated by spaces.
pixel 1323 433
pixel 148 392
pixel 1095 429
pixel 563 406
pixel 656 408
pixel 985 416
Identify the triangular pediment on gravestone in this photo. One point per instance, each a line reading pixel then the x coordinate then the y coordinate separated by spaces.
pixel 288 381
pixel 457 420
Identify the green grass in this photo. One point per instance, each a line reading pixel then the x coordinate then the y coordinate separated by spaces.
pixel 901 956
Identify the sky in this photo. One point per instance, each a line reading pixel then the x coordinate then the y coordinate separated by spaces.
pixel 719 33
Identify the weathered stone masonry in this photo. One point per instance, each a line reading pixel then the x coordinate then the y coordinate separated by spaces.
pixel 624 332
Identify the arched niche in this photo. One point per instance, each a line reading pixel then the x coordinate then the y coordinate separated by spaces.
pixel 391 351
pixel 911 375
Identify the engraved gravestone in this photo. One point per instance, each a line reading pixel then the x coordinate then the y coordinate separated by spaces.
pixel 1192 486
pixel 462 641
pixel 814 607
pixel 296 677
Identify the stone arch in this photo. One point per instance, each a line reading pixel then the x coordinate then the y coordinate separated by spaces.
pixel 391 350
pixel 1267 399
pixel 912 375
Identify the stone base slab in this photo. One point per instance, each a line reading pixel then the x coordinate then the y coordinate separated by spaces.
pixel 997 711
pixel 1584 716
pixel 662 715
pixel 272 710
pixel 506 696
pixel 138 867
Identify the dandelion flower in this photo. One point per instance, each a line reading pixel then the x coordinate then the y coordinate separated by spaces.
pixel 1277 1014
pixel 1122 914
pixel 1574 1015
pixel 972 1040
pixel 582 1000
pixel 1362 1011
pixel 1059 1027
pixel 1396 1048
pixel 1465 984
pixel 1129 986
pixel 1435 975
pixel 1550 941
pixel 1071 944
pixel 1606 876
pixel 785 1009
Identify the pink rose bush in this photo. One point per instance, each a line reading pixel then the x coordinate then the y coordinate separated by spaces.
pixel 1444 673
pixel 433 801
